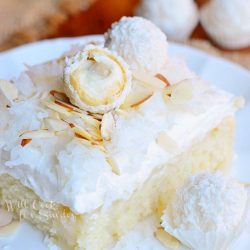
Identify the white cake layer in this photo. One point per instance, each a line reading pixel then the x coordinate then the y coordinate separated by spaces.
pixel 64 170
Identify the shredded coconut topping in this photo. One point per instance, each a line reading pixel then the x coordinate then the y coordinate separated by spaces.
pixel 209 201
pixel 141 44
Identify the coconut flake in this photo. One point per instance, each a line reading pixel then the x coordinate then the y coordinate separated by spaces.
pixel 9 90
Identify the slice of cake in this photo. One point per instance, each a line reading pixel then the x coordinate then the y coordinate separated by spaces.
pixel 93 144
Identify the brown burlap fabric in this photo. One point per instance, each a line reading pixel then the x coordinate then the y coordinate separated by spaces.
pixel 238 57
pixel 24 21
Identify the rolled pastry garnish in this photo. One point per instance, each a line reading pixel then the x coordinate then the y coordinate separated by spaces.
pixel 97 80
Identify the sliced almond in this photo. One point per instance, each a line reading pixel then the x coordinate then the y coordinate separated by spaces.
pixel 163 78
pixel 128 113
pixel 91 144
pixel 82 133
pixel 167 92
pixel 65 105
pixel 96 116
pixel 9 90
pixel 115 169
pixel 24 142
pixel 59 96
pixel 140 102
pixel 166 142
pixel 42 133
pixel 166 239
pixel 107 126
pixel 55 124
pixel 58 108
pixel 5 217
pixel 78 112
pixel 181 92
pixel 150 81
pixel 137 95
pixel 88 119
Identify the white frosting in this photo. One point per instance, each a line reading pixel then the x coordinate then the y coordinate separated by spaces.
pixel 227 22
pixel 66 171
pixel 139 42
pixel 177 18
pixel 209 206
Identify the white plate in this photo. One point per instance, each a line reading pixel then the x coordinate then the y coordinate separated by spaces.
pixel 227 75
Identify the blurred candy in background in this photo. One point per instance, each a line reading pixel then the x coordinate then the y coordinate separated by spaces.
pixel 177 18
pixel 215 26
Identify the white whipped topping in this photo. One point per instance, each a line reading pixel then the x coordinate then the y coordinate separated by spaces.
pixel 210 207
pixel 177 18
pixel 64 170
pixel 139 42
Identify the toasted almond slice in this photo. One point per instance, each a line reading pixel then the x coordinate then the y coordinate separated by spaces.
pixel 107 126
pixel 166 142
pixel 166 239
pixel 113 165
pixel 5 217
pixel 168 91
pixel 82 133
pixel 95 134
pixel 140 102
pixel 65 105
pixel 150 81
pixel 58 108
pixel 24 142
pixel 88 119
pixel 55 124
pixel 59 96
pixel 162 78
pixel 42 133
pixel 125 113
pixel 138 93
pixel 91 144
pixel 181 92
pixel 9 90
pixel 78 112
pixel 96 116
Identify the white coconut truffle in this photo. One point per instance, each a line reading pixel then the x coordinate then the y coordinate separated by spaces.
pixel 96 79
pixel 207 211
pixel 139 42
pixel 177 18
pixel 227 22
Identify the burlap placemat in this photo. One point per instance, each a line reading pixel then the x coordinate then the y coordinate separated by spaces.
pixel 238 57
pixel 23 21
